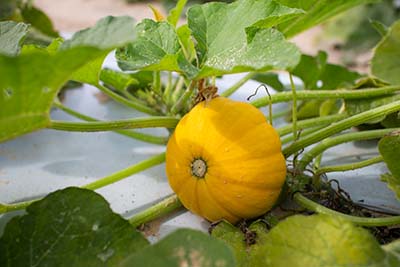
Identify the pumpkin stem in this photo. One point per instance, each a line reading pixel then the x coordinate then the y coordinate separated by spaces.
pixel 205 93
pixel 199 168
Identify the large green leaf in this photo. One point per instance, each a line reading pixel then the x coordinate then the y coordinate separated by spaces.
pixel 389 148
pixel 12 34
pixel 184 248
pixel 156 48
pixel 317 11
pixel 29 84
pixel 237 37
pixel 70 227
pixel 385 63
pixel 317 240
pixel 321 240
pixel 108 33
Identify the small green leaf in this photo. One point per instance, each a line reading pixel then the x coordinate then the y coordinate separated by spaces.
pixel 108 33
pixel 12 35
pixel 354 107
pixel 237 37
pixel 175 13
pixel 319 240
pixel 185 37
pixel 156 48
pixel 29 84
pixel 317 11
pixel 70 227
pixel 39 20
pixel 381 28
pixel 385 63
pixel 271 79
pixel 389 147
pixel 184 247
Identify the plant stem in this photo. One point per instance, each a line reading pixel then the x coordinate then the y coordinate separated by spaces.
pixel 115 177
pixel 119 175
pixel 342 125
pixel 136 135
pixel 183 99
pixel 327 94
pixel 228 92
pixel 363 221
pixel 129 103
pixel 351 166
pixel 294 107
pixel 156 211
pixel 333 141
pixel 99 126
pixel 290 138
pixel 157 82
pixel 314 122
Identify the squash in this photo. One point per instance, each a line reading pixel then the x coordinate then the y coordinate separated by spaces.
pixel 224 161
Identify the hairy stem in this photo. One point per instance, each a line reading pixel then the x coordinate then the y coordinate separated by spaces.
pixel 350 166
pixel 228 92
pixel 136 135
pixel 115 177
pixel 363 221
pixel 342 125
pixel 158 210
pixel 99 126
pixel 184 98
pixel 129 103
pixel 327 94
pixel 340 139
pixel 308 123
pixel 121 174
pixel 294 107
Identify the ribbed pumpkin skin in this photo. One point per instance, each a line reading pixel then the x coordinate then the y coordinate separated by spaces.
pixel 245 166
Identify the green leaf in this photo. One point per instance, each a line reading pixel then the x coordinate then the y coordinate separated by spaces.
pixel 317 11
pixel 381 28
pixel 29 84
pixel 156 48
pixel 236 37
pixel 354 107
pixel 389 147
pixel 316 73
pixel 233 237
pixel 39 20
pixel 185 37
pixel 385 63
pixel 310 68
pixel 392 182
pixel 271 79
pixel 175 13
pixel 319 240
pixel 12 35
pixel 108 33
pixel 393 248
pixel 184 247
pixel 70 227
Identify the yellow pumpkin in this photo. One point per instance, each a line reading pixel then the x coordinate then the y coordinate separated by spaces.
pixel 224 161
